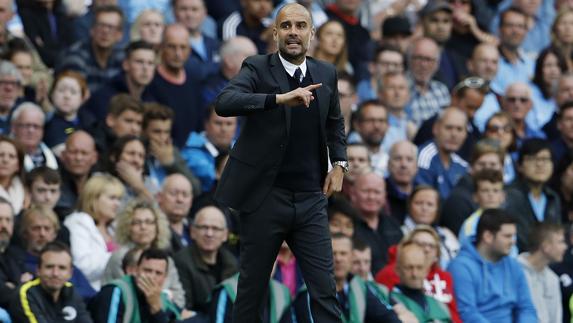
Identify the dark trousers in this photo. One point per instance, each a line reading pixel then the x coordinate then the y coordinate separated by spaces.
pixel 300 219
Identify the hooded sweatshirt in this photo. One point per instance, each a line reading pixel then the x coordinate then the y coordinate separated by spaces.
pixel 490 292
pixel 438 283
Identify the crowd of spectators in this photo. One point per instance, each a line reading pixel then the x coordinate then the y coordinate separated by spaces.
pixel 458 202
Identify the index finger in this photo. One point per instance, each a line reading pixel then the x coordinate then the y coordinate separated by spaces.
pixel 313 86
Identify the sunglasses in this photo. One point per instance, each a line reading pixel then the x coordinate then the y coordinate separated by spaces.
pixel 476 83
pixel 514 99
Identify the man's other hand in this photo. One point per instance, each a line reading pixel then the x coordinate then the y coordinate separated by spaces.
pixel 333 182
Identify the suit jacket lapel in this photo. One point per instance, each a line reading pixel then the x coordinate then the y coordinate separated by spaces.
pixel 279 74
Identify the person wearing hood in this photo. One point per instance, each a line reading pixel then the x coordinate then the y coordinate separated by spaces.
pixel 438 283
pixel 547 245
pixel 490 285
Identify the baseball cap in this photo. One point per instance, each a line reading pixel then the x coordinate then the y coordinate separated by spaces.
pixel 434 6
pixel 396 25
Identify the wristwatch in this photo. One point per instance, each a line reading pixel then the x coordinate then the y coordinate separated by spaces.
pixel 341 163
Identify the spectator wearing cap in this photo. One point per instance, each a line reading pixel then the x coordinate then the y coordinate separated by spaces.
pixel 386 59
pixel 437 23
pixel 514 65
pixel 251 21
pixel 468 95
pixel 10 89
pixel 396 32
pixel 359 42
pixel 427 96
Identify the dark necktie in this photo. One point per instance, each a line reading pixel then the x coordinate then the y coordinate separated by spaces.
pixel 298 75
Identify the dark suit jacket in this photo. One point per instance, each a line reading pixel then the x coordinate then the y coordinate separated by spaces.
pixel 258 152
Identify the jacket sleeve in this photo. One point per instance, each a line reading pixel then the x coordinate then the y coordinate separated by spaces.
pixel 25 308
pixel 378 311
pixel 174 285
pixel 525 311
pixel 465 294
pixel 107 302
pixel 184 277
pixel 238 98
pixel 335 133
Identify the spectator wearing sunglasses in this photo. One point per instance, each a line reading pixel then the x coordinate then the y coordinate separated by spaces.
pixel 517 103
pixel 468 95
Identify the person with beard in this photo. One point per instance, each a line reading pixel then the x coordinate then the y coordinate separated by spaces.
pixel 50 297
pixel 12 269
pixel 438 164
pixel 371 124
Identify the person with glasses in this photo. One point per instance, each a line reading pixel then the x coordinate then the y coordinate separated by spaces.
pixel 10 93
pixel 500 127
pixel 205 263
pixel 514 65
pixel 517 103
pixel 27 128
pixel 530 196
pixel 97 57
pixel 468 96
pixel 427 96
pixel 142 225
pixel 386 59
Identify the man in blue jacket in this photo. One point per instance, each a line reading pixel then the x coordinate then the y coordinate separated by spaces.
pixel 490 285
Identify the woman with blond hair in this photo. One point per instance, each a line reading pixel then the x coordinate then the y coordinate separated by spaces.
pixel 142 225
pixel 91 232
pixel 562 34
pixel 331 46
pixel 11 173
pixel 148 26
pixel 438 282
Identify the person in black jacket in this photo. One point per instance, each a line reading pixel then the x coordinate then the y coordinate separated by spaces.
pixel 50 297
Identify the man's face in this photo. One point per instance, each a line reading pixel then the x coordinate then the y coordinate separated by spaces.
pixel 347 96
pixel 176 197
pixel 503 240
pixel 451 131
pixel 484 62
pixel 55 270
pixel 395 93
pixel 487 161
pixel 258 9
pixel 159 130
pixel 9 91
pixel 362 262
pixel 29 128
pixel 6 12
pixel 401 42
pixel 153 269
pixel 341 223
pixel 438 26
pixel 342 255
pixel 565 124
pixel 470 102
pixel 209 230
pixel 372 124
pixel 220 130
pixel 190 13
pixel 175 48
pixel 44 194
pixel 134 154
pixel 537 168
pixel 369 194
pixel 565 92
pixel 517 102
pixel 554 247
pixel 424 61
pixel 489 195
pixel 403 163
pixel 293 32
pixel 513 30
pixel 127 123
pixel 388 61
pixel 357 158
pixel 107 30
pixel 80 154
pixel 39 232
pixel 6 224
pixel 412 267
pixel 140 66
pixel 24 62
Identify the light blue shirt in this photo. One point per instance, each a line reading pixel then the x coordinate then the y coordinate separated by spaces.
pixel 488 108
pixel 538 205
pixel 542 109
pixel 508 73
